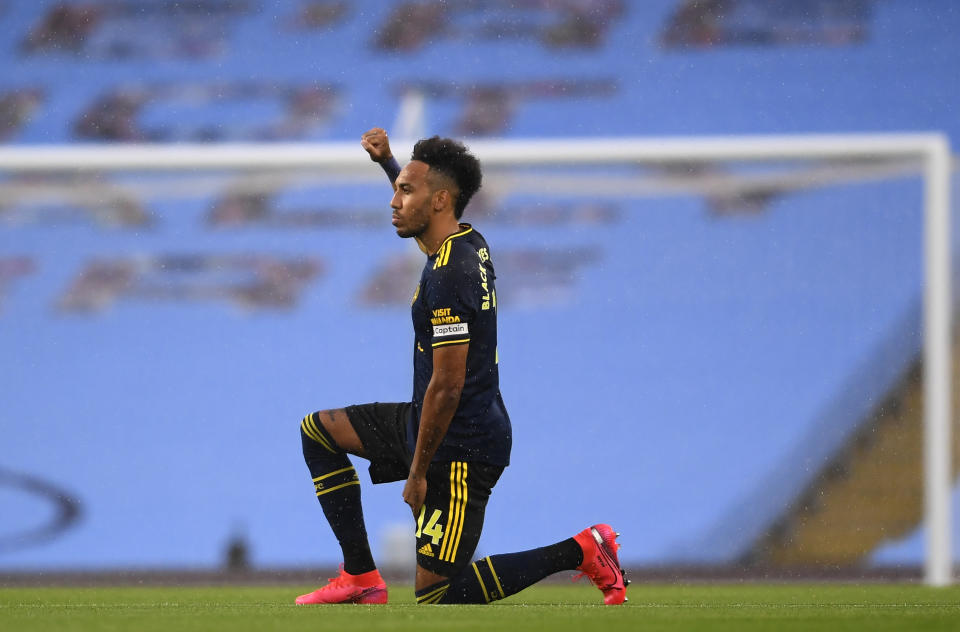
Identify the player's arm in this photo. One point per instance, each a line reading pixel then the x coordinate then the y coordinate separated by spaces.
pixel 377 144
pixel 439 405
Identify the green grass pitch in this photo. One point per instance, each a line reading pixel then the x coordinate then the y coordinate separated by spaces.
pixel 740 607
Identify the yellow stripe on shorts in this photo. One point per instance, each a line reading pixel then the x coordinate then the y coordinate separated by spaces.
pixel 451 513
pixel 457 513
pixel 463 511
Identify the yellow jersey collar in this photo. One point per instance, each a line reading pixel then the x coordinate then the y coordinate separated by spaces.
pixel 464 229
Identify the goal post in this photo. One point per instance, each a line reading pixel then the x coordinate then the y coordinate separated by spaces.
pixel 937 364
pixel 929 151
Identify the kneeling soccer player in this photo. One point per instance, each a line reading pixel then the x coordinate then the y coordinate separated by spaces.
pixel 452 441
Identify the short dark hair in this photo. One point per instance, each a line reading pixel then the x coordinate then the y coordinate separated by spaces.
pixel 453 160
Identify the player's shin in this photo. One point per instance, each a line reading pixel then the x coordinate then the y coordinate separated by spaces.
pixel 337 487
pixel 499 576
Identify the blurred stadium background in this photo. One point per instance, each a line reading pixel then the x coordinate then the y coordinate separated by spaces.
pixel 721 360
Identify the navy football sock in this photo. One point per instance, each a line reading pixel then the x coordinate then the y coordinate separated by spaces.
pixel 338 489
pixel 500 576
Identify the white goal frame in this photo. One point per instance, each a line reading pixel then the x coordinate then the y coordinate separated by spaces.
pixel 930 150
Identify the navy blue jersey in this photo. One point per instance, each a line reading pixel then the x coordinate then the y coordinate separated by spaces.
pixel 456 303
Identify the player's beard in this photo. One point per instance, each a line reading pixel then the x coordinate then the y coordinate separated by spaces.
pixel 414 225
pixel 406 232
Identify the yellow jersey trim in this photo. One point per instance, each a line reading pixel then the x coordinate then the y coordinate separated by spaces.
pixel 443 252
pixel 466 229
pixel 450 342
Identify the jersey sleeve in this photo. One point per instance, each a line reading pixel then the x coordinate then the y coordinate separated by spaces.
pixel 453 303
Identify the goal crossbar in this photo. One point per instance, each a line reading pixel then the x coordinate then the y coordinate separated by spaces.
pixel 512 152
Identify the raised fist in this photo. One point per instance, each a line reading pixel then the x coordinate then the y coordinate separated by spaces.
pixel 377 144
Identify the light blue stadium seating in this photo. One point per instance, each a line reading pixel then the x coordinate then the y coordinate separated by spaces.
pixel 695 376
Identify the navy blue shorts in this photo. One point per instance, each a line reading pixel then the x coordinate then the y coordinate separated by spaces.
pixel 451 520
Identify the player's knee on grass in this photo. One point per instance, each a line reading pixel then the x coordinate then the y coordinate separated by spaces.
pixel 499 576
pixel 477 583
pixel 433 594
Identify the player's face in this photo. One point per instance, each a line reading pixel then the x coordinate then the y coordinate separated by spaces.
pixel 412 202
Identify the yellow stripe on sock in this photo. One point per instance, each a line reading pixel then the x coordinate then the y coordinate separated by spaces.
pixel 319 435
pixel 433 592
pixel 335 488
pixel 307 430
pixel 316 430
pixel 436 599
pixel 434 595
pixel 476 570
pixel 495 578
pixel 320 478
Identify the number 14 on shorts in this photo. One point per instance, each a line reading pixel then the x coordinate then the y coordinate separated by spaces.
pixel 433 529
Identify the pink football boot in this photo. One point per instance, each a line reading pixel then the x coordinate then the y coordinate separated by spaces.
pixel 601 564
pixel 347 588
